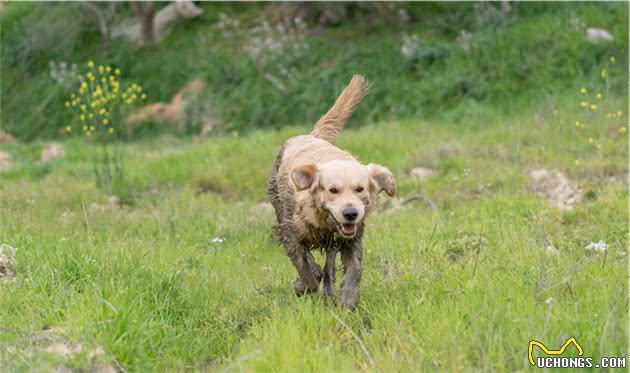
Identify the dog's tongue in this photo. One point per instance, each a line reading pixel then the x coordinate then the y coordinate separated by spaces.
pixel 348 228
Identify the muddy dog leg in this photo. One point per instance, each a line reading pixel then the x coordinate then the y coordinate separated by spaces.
pixel 316 270
pixel 329 273
pixel 351 258
pixel 309 273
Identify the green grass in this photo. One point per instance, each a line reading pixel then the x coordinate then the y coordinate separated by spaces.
pixel 147 284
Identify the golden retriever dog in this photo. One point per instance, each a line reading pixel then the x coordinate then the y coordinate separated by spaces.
pixel 321 196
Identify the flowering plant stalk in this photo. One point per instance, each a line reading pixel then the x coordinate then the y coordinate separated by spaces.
pixel 593 129
pixel 99 102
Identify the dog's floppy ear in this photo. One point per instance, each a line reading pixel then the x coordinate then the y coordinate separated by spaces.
pixel 304 176
pixel 381 178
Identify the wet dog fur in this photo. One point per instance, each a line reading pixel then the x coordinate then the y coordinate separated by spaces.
pixel 322 195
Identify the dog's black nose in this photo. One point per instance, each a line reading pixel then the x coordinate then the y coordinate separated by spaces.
pixel 350 213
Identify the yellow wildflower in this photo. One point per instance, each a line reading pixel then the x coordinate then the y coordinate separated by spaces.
pixel 583 104
pixel 67 103
pixel 82 117
pixel 108 68
pixel 622 130
pixel 583 90
pixel 590 140
pixel 604 74
pixel 91 128
pixel 83 107
pixel 85 127
pixel 593 107
pixel 101 69
pixel 90 64
pixel 111 130
pixel 143 96
pixel 68 129
pixel 102 111
pixel 90 116
pixel 117 71
pixel 105 121
pixel 612 59
pixel 577 162
pixel 599 96
pixel 577 123
pixel 619 113
pixel 88 133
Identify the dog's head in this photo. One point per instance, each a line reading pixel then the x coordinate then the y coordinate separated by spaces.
pixel 342 190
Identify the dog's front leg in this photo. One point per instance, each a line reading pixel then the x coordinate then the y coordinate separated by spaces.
pixel 329 273
pixel 351 259
pixel 308 274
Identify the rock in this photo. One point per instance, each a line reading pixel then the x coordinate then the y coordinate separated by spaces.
pixel 597 35
pixel 420 173
pixel 171 112
pixel 600 246
pixel 63 350
pixel 403 16
pixel 557 189
pixel 164 19
pixel 6 161
pixel 207 127
pixel 111 203
pixel 66 218
pixel 52 151
pixel 7 262
pixel 53 341
pixel 332 14
pixel 263 207
pixel 262 212
pixel 6 138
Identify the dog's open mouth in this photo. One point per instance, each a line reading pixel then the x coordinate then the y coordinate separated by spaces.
pixel 347 230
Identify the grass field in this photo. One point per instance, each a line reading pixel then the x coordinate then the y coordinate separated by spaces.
pixel 177 279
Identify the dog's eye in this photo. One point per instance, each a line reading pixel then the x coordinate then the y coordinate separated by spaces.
pixel 333 190
pixel 359 189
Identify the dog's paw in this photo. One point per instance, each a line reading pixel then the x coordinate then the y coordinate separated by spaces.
pixel 349 299
pixel 300 288
pixel 318 274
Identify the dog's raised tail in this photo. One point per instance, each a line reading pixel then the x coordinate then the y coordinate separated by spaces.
pixel 331 123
